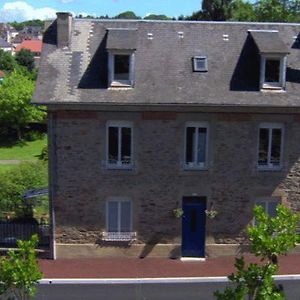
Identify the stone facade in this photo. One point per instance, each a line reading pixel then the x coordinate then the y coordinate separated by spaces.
pixel 82 184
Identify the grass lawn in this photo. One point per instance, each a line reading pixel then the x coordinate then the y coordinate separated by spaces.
pixel 22 151
pixel 4 168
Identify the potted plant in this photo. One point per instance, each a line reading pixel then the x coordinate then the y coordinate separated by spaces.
pixel 178 212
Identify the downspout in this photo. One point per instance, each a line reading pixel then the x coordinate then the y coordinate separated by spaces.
pixel 52 180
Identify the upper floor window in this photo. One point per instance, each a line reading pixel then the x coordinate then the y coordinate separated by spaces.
pixel 273 70
pixel 196 145
pixel 270 146
pixel 121 66
pixel 119 144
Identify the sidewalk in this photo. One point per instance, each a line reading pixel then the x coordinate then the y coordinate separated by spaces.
pixel 115 267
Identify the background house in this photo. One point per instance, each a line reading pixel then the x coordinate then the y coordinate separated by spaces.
pixel 148 117
pixel 5 46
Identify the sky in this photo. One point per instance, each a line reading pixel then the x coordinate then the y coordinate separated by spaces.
pixel 11 10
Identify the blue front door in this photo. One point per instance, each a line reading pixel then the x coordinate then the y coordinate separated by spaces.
pixel 193 226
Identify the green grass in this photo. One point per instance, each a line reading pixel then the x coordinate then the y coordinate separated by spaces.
pixel 4 168
pixel 22 151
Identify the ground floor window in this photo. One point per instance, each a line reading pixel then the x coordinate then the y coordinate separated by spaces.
pixel 119 215
pixel 269 206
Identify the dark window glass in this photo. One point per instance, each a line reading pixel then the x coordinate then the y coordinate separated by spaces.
pixel 113 145
pixel 276 146
pixel 193 220
pixel 126 145
pixel 201 149
pixel 121 71
pixel 263 146
pixel 272 70
pixel 190 141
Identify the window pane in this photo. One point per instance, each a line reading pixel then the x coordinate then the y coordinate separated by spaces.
pixel 276 146
pixel 113 216
pixel 126 145
pixel 272 70
pixel 112 145
pixel 201 149
pixel 190 141
pixel 121 71
pixel 263 146
pixel 272 208
pixel 125 216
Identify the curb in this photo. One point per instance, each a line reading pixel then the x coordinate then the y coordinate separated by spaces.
pixel 162 280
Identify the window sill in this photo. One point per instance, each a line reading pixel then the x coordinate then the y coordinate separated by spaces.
pixel 119 236
pixel 272 88
pixel 124 85
pixel 269 168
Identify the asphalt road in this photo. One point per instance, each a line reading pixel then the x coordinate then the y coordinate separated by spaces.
pixel 145 291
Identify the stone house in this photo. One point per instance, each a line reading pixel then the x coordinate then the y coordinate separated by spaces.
pixel 148 119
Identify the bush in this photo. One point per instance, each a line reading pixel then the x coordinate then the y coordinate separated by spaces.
pixel 19 271
pixel 14 183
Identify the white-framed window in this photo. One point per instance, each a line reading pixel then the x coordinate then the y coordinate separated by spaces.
pixel 200 64
pixel 273 71
pixel 119 143
pixel 196 145
pixel 121 68
pixel 119 215
pixel 269 205
pixel 270 146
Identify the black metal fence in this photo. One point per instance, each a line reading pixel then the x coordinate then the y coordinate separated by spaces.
pixel 11 232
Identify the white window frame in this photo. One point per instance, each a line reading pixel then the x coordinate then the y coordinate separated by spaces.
pixel 119 125
pixel 119 200
pixel 264 85
pixel 266 202
pixel 269 165
pixel 111 67
pixel 195 166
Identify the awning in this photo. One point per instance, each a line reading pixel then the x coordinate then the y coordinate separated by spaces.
pixel 122 39
pixel 269 42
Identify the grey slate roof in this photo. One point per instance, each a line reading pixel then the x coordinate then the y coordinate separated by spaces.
pixel 4 44
pixel 269 42
pixel 122 39
pixel 163 65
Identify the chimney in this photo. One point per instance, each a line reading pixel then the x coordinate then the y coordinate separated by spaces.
pixel 64 26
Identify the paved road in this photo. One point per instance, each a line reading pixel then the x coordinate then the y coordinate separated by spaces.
pixel 145 291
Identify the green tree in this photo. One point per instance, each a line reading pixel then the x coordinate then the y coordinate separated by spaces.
pixel 196 16
pixel 25 58
pixel 216 10
pixel 127 15
pixel 7 61
pixel 15 108
pixel 19 271
pixel 270 238
pixel 157 17
pixel 15 182
pixel 242 11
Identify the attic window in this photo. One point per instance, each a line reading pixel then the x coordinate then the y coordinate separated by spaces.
pixel 200 64
pixel 120 65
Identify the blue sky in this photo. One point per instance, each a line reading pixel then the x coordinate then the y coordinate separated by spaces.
pixel 20 10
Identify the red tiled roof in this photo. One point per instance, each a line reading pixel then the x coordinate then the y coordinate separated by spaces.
pixel 32 45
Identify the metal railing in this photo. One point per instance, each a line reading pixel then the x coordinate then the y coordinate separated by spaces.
pixel 11 232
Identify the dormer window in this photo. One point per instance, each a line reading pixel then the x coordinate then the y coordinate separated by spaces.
pixel 121 45
pixel 121 66
pixel 273 69
pixel 273 53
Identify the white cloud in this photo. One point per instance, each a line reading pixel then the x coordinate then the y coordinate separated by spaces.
pixel 21 11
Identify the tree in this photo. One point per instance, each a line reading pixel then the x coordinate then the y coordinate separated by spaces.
pixel 270 238
pixel 242 11
pixel 157 17
pixel 7 61
pixel 15 108
pixel 127 15
pixel 216 10
pixel 19 271
pixel 25 58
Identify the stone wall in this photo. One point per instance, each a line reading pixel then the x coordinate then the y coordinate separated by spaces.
pixel 158 182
